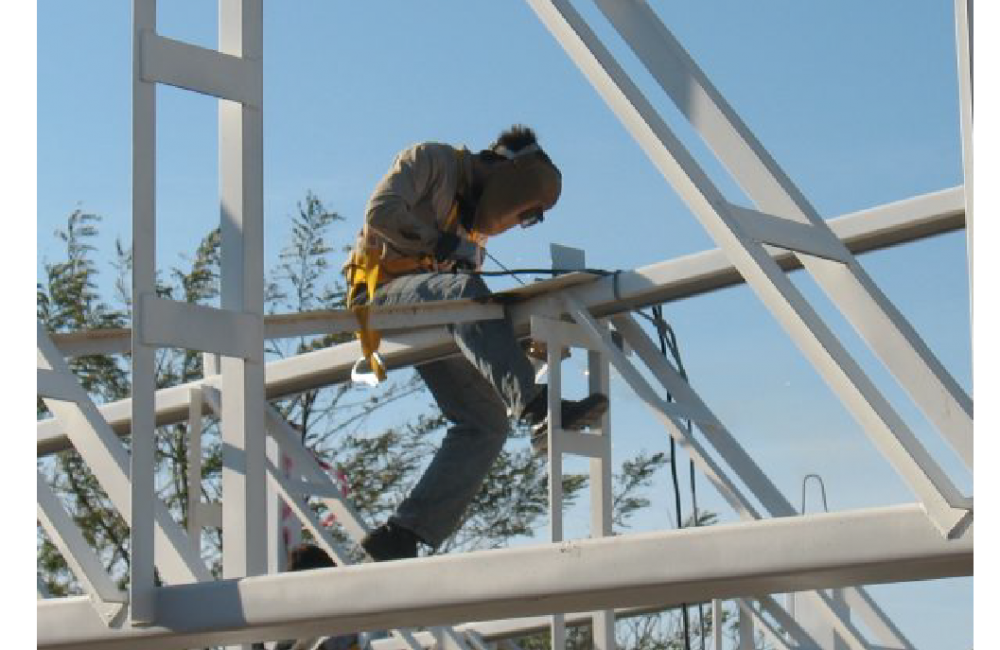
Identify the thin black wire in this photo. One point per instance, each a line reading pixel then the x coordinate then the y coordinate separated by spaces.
pixel 667 339
pixel 663 330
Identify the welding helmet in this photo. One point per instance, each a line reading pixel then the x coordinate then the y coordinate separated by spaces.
pixel 518 191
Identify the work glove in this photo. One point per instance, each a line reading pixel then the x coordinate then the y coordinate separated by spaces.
pixel 465 253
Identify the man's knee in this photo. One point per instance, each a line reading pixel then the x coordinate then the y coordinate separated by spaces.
pixel 456 286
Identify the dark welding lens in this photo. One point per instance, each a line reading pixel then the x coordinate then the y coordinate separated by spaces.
pixel 530 218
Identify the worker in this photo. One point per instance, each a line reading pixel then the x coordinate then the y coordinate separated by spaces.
pixel 424 234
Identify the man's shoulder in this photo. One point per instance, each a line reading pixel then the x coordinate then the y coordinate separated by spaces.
pixel 428 151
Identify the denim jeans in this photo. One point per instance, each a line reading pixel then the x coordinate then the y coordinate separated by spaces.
pixel 478 392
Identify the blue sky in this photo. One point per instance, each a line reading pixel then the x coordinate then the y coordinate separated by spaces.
pixel 857 100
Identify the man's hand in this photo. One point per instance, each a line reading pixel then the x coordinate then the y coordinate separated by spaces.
pixel 451 247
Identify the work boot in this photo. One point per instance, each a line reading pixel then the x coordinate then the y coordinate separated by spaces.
pixel 576 415
pixel 390 541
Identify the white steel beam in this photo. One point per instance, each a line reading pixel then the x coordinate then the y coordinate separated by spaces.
pixel 880 324
pixel 725 444
pixel 201 70
pixel 963 42
pixel 383 318
pixel 730 560
pixel 683 277
pixel 169 323
pixel 868 230
pixel 141 482
pixel 244 484
pixel 84 563
pixel 54 385
pixel 791 235
pixel 107 458
pixel 291 445
pixel 945 504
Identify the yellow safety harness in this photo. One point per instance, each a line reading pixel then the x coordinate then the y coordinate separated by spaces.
pixel 368 269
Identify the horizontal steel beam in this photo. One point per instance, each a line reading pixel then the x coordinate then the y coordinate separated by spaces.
pixel 820 551
pixel 308 323
pixel 682 277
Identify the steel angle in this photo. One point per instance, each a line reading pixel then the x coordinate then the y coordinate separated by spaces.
pixel 589 445
pixel 305 462
pixel 789 234
pixel 82 560
pixel 58 386
pixel 169 323
pixel 305 515
pixel 205 71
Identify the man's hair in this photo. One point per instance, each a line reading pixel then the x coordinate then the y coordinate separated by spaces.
pixel 309 556
pixel 515 138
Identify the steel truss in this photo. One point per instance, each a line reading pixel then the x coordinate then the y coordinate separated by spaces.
pixel 930 539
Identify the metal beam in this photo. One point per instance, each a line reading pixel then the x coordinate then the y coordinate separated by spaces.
pixel 201 70
pixel 675 279
pixel 726 561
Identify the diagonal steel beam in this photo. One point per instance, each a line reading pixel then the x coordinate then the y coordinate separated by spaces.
pixel 945 504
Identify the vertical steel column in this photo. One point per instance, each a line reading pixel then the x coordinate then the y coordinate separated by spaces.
pixel 555 348
pixel 963 46
pixel 240 185
pixel 716 624
pixel 598 379
pixel 142 470
pixel 596 445
pixel 195 407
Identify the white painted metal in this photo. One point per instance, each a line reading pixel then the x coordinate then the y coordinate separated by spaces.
pixel 306 516
pixel 722 440
pixel 867 230
pixel 963 46
pixel 243 381
pixel 384 318
pixel 82 561
pixel 107 458
pixel 728 560
pixel 554 360
pixel 194 451
pixel 290 443
pixel 671 280
pixel 596 445
pixel 872 314
pixel 601 482
pixel 733 454
pixel 143 408
pixel 887 633
pixel 716 476
pixel 750 619
pixel 716 624
pixel 240 186
pixel 53 385
pixel 746 627
pixel 169 323
pixel 791 235
pixel 944 503
pixel 201 70
pixel 447 639
pixel 476 641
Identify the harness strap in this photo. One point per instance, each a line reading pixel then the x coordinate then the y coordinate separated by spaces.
pixel 368 269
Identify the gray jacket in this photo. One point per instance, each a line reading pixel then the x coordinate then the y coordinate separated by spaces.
pixel 406 213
